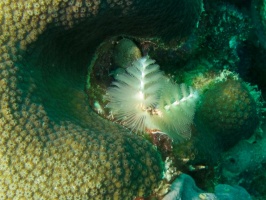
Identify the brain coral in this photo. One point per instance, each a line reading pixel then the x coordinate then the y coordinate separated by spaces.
pixel 51 145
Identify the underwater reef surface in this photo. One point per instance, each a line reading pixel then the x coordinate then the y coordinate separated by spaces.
pixel 52 145
pixel 58 57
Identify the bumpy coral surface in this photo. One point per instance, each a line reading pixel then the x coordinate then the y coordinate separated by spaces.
pixel 51 145
pixel 230 111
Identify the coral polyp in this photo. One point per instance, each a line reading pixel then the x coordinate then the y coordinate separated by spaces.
pixel 142 98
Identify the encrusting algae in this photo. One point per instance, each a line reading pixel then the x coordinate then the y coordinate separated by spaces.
pixel 52 146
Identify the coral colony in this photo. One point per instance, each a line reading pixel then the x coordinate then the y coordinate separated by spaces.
pixel 52 144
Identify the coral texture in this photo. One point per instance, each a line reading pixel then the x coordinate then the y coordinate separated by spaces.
pixel 231 109
pixel 51 145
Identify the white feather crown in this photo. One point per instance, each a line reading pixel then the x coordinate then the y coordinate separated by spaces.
pixel 143 99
